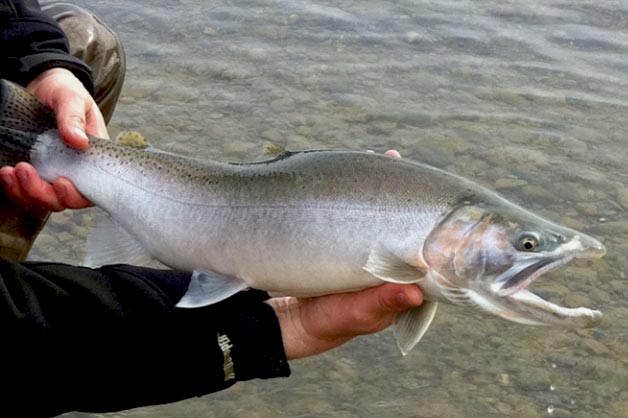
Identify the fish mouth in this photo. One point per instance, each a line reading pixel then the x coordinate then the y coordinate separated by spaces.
pixel 517 303
pixel 519 277
pixel 523 276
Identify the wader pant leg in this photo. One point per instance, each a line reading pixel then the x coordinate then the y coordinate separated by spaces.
pixel 98 46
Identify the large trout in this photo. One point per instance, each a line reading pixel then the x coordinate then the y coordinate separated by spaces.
pixel 306 223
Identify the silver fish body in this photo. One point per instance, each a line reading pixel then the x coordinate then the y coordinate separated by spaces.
pixel 316 222
pixel 288 225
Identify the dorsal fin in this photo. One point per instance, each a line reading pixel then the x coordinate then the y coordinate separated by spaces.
pixel 275 149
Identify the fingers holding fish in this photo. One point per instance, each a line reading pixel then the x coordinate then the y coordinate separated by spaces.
pixel 393 153
pixel 390 153
pixel 313 325
pixel 68 195
pixel 76 112
pixel 23 185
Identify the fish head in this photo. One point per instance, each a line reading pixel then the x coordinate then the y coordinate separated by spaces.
pixel 487 253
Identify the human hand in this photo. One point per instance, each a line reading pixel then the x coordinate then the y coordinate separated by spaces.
pixel 76 113
pixel 75 109
pixel 23 185
pixel 311 326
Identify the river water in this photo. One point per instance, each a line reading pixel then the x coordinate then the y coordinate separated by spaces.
pixel 528 98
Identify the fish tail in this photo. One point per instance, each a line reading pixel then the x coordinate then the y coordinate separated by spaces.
pixel 22 119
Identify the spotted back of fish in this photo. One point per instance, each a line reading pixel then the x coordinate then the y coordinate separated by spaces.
pixel 22 119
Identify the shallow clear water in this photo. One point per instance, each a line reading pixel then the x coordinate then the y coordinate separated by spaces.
pixel 527 98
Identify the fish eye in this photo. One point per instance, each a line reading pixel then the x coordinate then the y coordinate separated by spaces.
pixel 528 242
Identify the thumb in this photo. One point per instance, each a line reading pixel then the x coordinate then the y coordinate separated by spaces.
pixel 376 308
pixel 397 298
pixel 71 120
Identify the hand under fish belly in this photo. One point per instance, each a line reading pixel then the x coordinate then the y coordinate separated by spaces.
pixel 307 223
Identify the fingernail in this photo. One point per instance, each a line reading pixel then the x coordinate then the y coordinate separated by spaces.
pixel 7 180
pixel 79 132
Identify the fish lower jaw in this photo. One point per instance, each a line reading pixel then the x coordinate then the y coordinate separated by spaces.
pixel 524 307
pixel 533 308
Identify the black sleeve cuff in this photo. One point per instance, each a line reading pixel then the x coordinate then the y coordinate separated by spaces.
pixel 248 335
pixel 28 67
pixel 32 45
pixel 257 345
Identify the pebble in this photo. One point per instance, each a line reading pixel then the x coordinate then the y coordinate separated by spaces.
pixel 504 379
pixel 612 228
pixel 595 347
pixel 622 197
pixel 46 241
pixel 571 222
pixel 578 193
pixel 282 105
pixel 297 119
pixel 509 183
pixel 411 37
pixel 577 299
pixel 533 378
pixel 272 32
pixel 526 410
pixel 540 195
pixel 620 409
pixel 552 288
pixel 210 31
pixel 272 135
pixel 297 142
pixel 65 237
pixel 619 285
pixel 559 413
pixel 589 209
pixel 439 410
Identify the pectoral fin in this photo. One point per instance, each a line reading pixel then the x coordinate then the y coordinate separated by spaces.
pixel 387 266
pixel 207 288
pixel 411 325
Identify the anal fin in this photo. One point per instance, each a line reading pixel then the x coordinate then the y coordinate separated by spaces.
pixel 411 324
pixel 207 288
pixel 110 243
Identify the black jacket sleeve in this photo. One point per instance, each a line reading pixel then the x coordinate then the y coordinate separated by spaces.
pixel 32 42
pixel 108 339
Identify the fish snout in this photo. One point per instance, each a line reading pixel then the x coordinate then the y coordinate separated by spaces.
pixel 589 247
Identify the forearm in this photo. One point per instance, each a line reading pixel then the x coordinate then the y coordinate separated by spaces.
pixel 32 42
pixel 70 332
